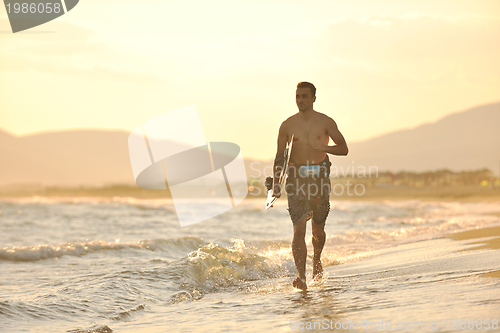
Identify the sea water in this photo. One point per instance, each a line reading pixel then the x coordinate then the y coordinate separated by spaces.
pixel 126 265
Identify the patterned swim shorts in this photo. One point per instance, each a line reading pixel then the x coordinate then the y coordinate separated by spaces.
pixel 308 196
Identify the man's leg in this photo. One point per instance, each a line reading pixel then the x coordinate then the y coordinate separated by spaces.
pixel 320 214
pixel 318 241
pixel 299 251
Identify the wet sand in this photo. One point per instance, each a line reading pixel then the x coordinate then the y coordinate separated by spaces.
pixel 431 284
pixel 491 241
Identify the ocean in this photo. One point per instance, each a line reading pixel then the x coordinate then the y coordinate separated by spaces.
pixel 126 265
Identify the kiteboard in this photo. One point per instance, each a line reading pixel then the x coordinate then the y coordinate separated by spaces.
pixel 269 180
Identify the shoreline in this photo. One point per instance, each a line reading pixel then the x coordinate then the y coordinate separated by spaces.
pixel 443 193
pixel 471 237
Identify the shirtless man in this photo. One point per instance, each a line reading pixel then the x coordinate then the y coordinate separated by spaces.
pixel 308 183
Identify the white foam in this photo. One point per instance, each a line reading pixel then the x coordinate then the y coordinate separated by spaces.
pixel 33 253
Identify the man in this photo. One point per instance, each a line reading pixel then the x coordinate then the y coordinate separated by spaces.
pixel 308 183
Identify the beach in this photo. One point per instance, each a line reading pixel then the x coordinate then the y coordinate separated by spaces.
pixel 122 264
pixel 127 126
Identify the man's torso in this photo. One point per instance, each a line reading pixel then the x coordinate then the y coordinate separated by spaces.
pixel 304 130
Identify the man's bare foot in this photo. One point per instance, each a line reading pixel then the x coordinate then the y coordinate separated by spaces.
pixel 317 269
pixel 299 283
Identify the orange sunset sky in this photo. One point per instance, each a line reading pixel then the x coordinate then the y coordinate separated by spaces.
pixel 378 66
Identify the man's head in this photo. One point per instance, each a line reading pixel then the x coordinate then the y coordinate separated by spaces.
pixel 305 96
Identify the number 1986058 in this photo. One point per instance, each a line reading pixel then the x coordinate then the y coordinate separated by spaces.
pixel 33 8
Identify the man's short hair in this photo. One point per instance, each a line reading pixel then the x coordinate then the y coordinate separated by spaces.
pixel 309 85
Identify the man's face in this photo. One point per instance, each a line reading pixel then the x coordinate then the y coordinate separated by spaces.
pixel 304 99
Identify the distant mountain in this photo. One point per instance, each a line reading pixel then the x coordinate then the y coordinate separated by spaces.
pixel 461 141
pixel 82 157
pixel 71 158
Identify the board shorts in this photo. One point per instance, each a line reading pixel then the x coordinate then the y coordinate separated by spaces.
pixel 308 196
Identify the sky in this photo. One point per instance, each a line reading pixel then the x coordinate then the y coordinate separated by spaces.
pixel 378 66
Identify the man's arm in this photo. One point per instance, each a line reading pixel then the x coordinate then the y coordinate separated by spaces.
pixel 340 147
pixel 282 140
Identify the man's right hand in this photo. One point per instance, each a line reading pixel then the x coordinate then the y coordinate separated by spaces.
pixel 277 190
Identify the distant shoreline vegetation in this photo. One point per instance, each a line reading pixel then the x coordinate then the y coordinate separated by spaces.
pixel 115 190
pixel 443 177
pixel 439 184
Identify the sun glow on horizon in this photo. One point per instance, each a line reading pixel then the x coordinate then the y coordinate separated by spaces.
pixel 377 67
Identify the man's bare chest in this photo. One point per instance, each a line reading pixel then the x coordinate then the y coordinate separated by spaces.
pixel 307 131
